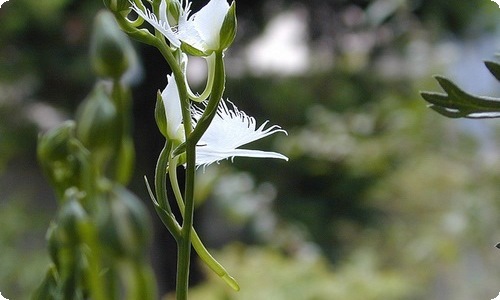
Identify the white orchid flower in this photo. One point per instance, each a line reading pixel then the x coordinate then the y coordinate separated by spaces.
pixel 201 31
pixel 229 130
pixel 162 23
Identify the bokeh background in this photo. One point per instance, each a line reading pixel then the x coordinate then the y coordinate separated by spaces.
pixel 382 198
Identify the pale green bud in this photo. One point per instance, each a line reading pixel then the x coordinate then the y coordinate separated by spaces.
pixel 160 116
pixel 110 49
pixel 98 124
pixel 174 9
pixel 69 220
pixel 57 156
pixel 124 224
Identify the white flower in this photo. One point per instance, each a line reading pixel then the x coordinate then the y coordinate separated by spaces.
pixel 229 130
pixel 201 30
pixel 162 23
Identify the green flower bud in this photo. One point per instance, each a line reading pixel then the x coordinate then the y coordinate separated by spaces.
pixel 57 156
pixel 110 49
pixel 53 145
pixel 69 220
pixel 118 6
pixel 124 224
pixel 174 9
pixel 160 116
pixel 228 29
pixel 98 124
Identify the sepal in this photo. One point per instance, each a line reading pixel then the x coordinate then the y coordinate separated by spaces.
pixel 160 115
pixel 229 28
pixel 188 49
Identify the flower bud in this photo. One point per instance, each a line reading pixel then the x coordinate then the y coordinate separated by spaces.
pixel 160 116
pixel 110 49
pixel 70 218
pixel 98 126
pixel 124 225
pixel 57 157
pixel 228 29
pixel 174 10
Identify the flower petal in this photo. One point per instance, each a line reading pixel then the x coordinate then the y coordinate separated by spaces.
pixel 173 112
pixel 161 25
pixel 230 129
pixel 206 156
pixel 202 30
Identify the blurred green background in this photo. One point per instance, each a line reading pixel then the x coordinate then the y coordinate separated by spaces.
pixel 382 198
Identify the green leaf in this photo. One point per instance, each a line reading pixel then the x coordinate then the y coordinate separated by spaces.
pixel 494 68
pixel 456 103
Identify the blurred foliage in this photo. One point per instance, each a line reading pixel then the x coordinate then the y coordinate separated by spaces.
pixel 381 194
pixel 22 262
pixel 269 274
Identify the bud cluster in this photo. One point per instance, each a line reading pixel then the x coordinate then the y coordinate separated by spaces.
pixel 101 227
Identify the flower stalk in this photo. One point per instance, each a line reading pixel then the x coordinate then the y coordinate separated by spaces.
pixel 192 130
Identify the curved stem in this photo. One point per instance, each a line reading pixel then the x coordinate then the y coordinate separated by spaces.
pixel 213 102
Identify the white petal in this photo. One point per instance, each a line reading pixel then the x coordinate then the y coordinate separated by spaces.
pixel 230 129
pixel 163 12
pixel 202 30
pixel 173 112
pixel 206 156
pixel 160 25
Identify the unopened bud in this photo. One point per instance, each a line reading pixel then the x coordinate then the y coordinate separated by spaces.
pixel 98 125
pixel 71 217
pixel 124 225
pixel 110 49
pixel 58 159
pixel 160 116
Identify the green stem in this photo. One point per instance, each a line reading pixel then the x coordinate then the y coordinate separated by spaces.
pixel 198 246
pixel 184 251
pixel 184 245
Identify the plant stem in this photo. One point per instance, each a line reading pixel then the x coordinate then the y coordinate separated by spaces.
pixel 184 250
